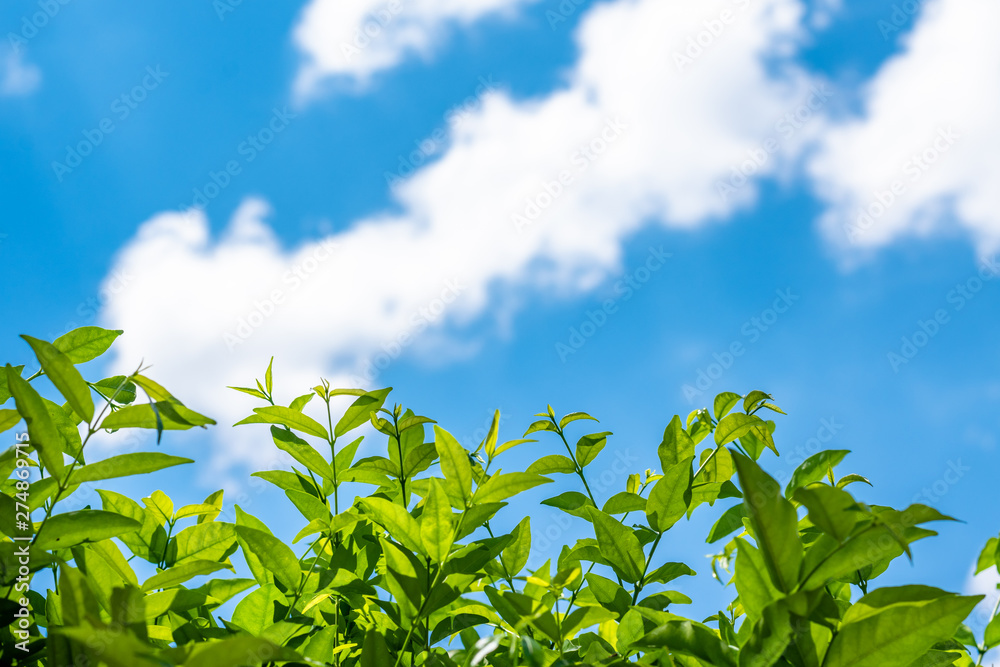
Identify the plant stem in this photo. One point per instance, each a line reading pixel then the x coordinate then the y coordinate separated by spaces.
pixel 982 653
pixel 437 576
pixel 305 576
pixel 579 468
pixel 705 464
pixel 333 458
pixel 402 471
pixel 642 580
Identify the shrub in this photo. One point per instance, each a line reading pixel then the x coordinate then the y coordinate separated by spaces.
pixel 413 573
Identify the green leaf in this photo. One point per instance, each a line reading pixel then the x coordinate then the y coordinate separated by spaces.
pixel 379 464
pixel 396 521
pixel 619 546
pixel 754 398
pixel 63 531
pixel 310 506
pixel 833 510
pixel 86 343
pixel 118 389
pixel 375 653
pixel 63 374
pixel 502 486
pixel 676 446
pixel 288 481
pixel 260 609
pixel 239 651
pixel 574 416
pixel 886 539
pixel 585 617
pixel 197 509
pixel 42 432
pixel 753 583
pixel 668 501
pixel 117 648
pixel 8 510
pixel 572 502
pixel 163 415
pixel 814 469
pixel 553 463
pixel 278 414
pixel 256 393
pixel 510 444
pixel 419 459
pixel 515 555
pixel 414 421
pixel 65 421
pixel 257 569
pixel 735 426
pixel 4 390
pixel 541 425
pixel 691 639
pixel 360 411
pixel 160 505
pixel 624 502
pixel 775 522
pixel 935 658
pixel 320 645
pixel 147 542
pixel 8 419
pixel 301 451
pixel 731 519
pixel 436 525
pixel 454 462
pixel 405 578
pixel 988 556
pixel 589 446
pixel 301 402
pixel 872 545
pixel 273 555
pixel 181 573
pixel 345 457
pixel 991 636
pixel 668 572
pixel 215 500
pixel 608 593
pixel 846 480
pixel 769 638
pixel 124 465
pixel 725 402
pixel 894 627
pixel 203 541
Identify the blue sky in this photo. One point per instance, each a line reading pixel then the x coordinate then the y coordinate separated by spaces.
pixel 115 240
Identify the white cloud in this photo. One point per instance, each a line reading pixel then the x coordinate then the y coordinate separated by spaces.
pixel 638 134
pixel 17 78
pixel 929 128
pixel 351 40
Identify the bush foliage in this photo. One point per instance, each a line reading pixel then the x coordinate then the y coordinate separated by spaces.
pixel 412 570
